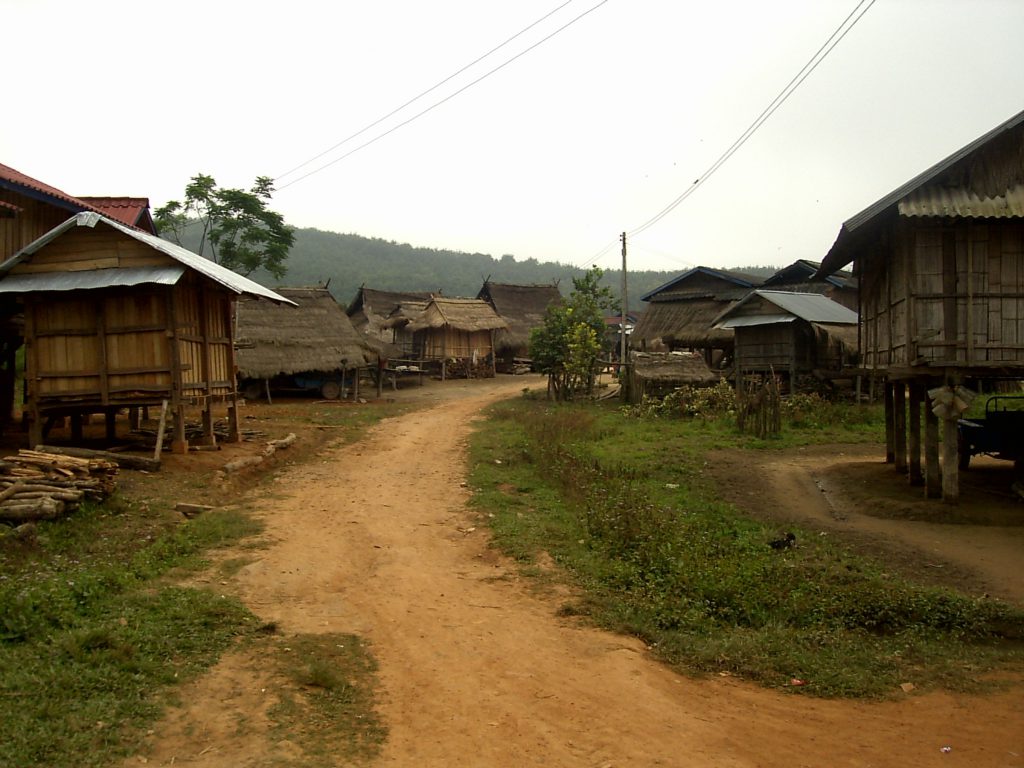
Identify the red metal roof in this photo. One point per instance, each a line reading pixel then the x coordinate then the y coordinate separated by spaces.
pixel 133 211
pixel 15 179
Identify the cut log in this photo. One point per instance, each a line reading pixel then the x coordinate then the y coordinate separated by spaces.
pixel 237 464
pixel 43 509
pixel 191 510
pixel 122 460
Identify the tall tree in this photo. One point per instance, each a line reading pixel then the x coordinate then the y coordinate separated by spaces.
pixel 567 346
pixel 241 233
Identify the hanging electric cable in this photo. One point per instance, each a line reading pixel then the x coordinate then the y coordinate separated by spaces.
pixel 834 39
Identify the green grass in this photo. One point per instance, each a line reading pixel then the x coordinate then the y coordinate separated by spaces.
pixel 96 636
pixel 90 636
pixel 696 580
pixel 333 678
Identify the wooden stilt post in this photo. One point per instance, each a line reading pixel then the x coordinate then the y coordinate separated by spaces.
pixel 160 432
pixel 933 473
pixel 899 412
pixel 917 395
pixel 178 443
pixel 110 418
pixel 890 427
pixel 950 459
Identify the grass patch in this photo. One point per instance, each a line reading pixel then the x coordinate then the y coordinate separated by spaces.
pixel 90 637
pixel 621 504
pixel 329 709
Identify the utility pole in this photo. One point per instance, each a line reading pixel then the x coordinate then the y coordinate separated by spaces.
pixel 625 305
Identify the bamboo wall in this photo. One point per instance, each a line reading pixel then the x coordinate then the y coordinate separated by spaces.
pixel 440 343
pixel 948 294
pixel 203 337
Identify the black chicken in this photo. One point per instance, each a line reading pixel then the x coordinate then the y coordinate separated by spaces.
pixel 789 540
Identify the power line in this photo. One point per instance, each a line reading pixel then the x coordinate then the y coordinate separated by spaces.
pixel 862 7
pixel 419 96
pixel 445 99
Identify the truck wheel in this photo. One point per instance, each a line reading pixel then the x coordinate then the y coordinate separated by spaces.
pixel 330 390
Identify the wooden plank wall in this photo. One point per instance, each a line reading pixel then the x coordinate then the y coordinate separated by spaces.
pixel 33 220
pixel 102 346
pixel 85 248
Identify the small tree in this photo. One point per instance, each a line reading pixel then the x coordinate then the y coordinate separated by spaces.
pixel 568 346
pixel 242 233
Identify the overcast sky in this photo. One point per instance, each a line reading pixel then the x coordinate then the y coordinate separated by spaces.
pixel 590 133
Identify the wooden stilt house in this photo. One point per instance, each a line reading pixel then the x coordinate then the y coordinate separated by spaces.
pixel 791 334
pixel 940 262
pixel 457 333
pixel 119 318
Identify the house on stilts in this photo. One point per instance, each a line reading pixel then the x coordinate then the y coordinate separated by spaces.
pixel 940 266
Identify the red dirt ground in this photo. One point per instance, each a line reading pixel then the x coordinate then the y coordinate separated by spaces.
pixel 477 669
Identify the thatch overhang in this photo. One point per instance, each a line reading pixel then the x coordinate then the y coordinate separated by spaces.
pixel 687 322
pixel 675 368
pixel 313 335
pixel 468 315
pixel 522 307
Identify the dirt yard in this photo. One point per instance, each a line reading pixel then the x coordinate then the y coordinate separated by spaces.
pixel 476 668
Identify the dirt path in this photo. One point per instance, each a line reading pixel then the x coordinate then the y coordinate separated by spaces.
pixel 476 670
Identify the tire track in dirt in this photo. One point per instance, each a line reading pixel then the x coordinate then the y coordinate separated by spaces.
pixel 477 670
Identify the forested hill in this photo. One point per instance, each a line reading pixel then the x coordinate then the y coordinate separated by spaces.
pixel 348 261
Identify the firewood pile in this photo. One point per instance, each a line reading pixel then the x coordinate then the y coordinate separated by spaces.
pixel 44 486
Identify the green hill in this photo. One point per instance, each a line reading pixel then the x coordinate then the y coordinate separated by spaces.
pixel 347 261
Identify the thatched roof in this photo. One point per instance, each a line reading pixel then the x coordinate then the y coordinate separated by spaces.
pixel 459 314
pixel 521 306
pixel 316 335
pixel 372 307
pixel 684 323
pixel 404 314
pixel 673 368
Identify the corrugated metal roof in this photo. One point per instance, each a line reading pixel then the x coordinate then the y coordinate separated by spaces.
pixel 221 275
pixel 91 279
pixel 748 321
pixel 812 307
pixel 943 201
pixel 839 256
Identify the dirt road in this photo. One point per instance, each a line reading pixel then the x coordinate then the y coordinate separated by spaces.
pixel 477 670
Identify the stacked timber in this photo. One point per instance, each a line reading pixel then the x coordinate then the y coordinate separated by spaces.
pixel 35 485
